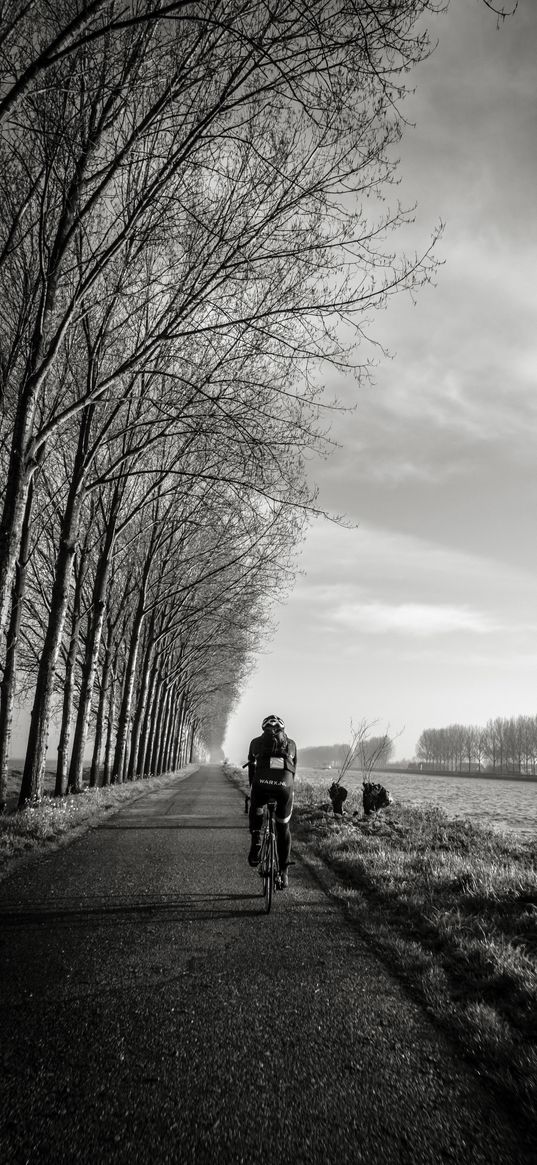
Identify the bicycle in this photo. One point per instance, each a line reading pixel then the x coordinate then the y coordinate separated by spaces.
pixel 269 866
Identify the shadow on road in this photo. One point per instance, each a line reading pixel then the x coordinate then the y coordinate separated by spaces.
pixel 169 822
pixel 193 907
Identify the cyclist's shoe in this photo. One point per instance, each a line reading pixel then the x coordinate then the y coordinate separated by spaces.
pixel 283 880
pixel 254 855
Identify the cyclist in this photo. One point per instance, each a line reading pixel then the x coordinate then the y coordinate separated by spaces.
pixel 272 762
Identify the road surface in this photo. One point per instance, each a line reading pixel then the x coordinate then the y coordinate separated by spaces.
pixel 151 1012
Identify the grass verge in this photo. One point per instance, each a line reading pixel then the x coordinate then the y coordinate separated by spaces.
pixel 58 820
pixel 452 908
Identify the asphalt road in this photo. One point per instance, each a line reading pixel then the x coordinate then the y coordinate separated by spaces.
pixel 151 1012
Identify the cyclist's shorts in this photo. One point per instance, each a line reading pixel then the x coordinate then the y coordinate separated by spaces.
pixel 274 785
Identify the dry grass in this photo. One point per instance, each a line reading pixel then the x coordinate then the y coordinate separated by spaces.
pixel 452 908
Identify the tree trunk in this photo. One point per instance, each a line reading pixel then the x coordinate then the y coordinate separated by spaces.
pixel 164 726
pixel 34 765
pixel 148 715
pixel 161 706
pixel 172 723
pixel 97 743
pixel 91 657
pixel 69 685
pixel 107 767
pixel 184 740
pixel 151 727
pixel 118 769
pixel 124 718
pixel 87 683
pixel 17 484
pixel 178 734
pixel 166 729
pixel 134 769
pixel 7 687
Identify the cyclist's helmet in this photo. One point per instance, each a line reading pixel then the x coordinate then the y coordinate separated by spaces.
pixel 274 723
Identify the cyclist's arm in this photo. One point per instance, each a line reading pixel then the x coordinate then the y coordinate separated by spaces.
pixel 251 764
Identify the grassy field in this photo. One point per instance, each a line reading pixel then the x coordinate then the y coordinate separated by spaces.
pixel 452 909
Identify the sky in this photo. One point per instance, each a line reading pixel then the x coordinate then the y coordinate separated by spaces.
pixel 421 611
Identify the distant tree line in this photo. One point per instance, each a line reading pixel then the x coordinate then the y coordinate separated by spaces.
pixel 376 749
pixel 503 745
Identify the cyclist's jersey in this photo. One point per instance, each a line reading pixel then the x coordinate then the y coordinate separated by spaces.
pixel 262 765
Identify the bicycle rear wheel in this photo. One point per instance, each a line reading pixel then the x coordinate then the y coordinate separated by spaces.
pixel 268 873
pixel 261 869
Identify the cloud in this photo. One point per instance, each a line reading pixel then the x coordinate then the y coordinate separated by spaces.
pixel 405 593
pixel 425 614
pixel 417 619
pixel 343 566
pixel 460 392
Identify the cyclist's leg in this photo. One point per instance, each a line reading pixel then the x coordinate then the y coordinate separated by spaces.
pixel 284 810
pixel 258 799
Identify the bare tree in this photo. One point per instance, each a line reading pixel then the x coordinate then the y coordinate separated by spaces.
pixel 365 752
pixel 265 120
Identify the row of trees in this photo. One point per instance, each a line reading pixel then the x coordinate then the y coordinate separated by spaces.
pixel 503 745
pixel 192 201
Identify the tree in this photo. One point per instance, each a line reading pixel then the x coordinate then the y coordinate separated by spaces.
pixel 297 112
pixel 365 752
